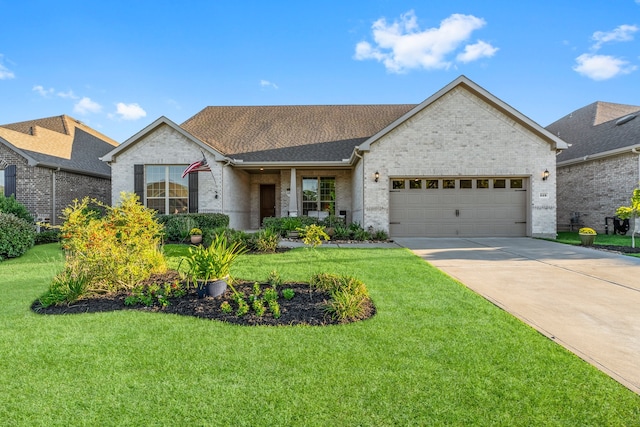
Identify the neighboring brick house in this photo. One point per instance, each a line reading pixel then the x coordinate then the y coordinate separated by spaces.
pixel 461 163
pixel 601 167
pixel 47 163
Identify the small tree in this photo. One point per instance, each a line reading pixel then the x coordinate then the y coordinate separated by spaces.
pixel 633 211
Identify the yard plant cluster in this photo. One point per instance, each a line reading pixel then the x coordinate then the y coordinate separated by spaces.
pixel 116 249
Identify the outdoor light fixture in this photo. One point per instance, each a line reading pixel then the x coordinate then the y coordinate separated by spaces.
pixel 376 176
pixel 545 174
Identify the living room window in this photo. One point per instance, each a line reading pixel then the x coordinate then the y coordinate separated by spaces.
pixel 166 191
pixel 319 194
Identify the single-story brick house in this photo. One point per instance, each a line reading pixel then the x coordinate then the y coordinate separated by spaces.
pixel 601 167
pixel 461 163
pixel 47 163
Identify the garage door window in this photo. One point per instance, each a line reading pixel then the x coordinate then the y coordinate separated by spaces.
pixel 397 184
pixel 448 183
pixel 415 184
pixel 466 183
pixel 499 183
pixel 516 183
pixel 432 184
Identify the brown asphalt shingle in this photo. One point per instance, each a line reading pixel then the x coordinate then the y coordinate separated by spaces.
pixel 593 129
pixel 291 133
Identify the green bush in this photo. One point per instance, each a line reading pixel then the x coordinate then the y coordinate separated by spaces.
pixel 67 287
pixel 203 221
pixel 12 206
pixel 47 236
pixel 267 240
pixel 114 251
pixel 17 236
pixel 349 296
pixel 177 228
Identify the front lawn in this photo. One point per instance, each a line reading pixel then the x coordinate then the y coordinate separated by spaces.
pixel 434 354
pixel 604 241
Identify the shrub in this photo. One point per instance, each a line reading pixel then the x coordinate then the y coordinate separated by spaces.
pixel 313 235
pixel 47 236
pixel 349 296
pixel 12 206
pixel 66 287
pixel 177 227
pixel 114 251
pixel 213 262
pixel 17 236
pixel 267 240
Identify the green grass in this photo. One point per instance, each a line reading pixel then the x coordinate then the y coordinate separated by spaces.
pixel 572 238
pixel 435 354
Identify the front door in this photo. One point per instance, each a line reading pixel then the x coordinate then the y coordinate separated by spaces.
pixel 267 201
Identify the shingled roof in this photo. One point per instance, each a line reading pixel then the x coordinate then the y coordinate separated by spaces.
pixel 598 128
pixel 60 141
pixel 291 133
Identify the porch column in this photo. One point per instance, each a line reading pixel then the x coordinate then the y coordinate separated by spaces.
pixel 293 195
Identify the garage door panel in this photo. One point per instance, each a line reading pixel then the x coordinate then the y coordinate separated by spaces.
pixel 473 212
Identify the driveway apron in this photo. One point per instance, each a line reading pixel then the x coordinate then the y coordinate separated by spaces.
pixel 585 299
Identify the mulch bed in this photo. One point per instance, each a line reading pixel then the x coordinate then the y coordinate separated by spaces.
pixel 305 308
pixel 620 249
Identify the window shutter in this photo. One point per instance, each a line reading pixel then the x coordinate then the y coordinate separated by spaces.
pixel 138 182
pixel 193 193
pixel 10 181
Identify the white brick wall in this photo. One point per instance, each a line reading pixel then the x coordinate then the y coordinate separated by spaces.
pixel 166 146
pixel 461 135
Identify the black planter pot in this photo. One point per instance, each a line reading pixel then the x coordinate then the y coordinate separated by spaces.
pixel 216 288
pixel 212 288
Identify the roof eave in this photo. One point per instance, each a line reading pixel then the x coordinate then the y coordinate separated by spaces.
pixel 602 155
pixel 342 164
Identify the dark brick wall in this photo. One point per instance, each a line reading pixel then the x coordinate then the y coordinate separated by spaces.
pixel 34 187
pixel 596 189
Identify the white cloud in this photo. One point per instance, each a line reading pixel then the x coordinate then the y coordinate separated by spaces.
pixel 402 45
pixel 86 106
pixel 130 111
pixel 622 33
pixel 476 51
pixel 5 73
pixel 42 91
pixel 267 83
pixel 602 67
pixel 67 95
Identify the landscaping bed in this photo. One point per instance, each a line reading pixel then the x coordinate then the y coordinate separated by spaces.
pixel 305 308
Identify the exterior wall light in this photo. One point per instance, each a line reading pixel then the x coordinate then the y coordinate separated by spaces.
pixel 376 176
pixel 545 174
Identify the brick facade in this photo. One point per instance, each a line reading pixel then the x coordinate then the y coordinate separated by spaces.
pixel 45 192
pixel 460 135
pixel 594 189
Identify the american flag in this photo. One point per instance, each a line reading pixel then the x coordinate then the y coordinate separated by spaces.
pixel 199 166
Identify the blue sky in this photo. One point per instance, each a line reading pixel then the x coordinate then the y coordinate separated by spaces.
pixel 119 65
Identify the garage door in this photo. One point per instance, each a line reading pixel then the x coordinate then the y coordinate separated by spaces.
pixel 458 207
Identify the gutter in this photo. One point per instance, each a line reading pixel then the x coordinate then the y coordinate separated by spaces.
pixel 617 151
pixel 342 164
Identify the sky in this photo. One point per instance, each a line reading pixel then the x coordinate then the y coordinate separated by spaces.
pixel 117 66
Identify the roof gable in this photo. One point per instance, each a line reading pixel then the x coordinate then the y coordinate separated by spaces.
pixel 161 121
pixel 485 96
pixel 59 141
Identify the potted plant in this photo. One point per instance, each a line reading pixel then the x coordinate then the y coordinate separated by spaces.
pixel 209 269
pixel 587 236
pixel 196 236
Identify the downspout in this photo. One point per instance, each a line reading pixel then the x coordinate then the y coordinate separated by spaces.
pixel 636 219
pixel 362 158
pixel 53 196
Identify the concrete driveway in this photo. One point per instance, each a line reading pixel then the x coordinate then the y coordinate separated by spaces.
pixel 584 299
